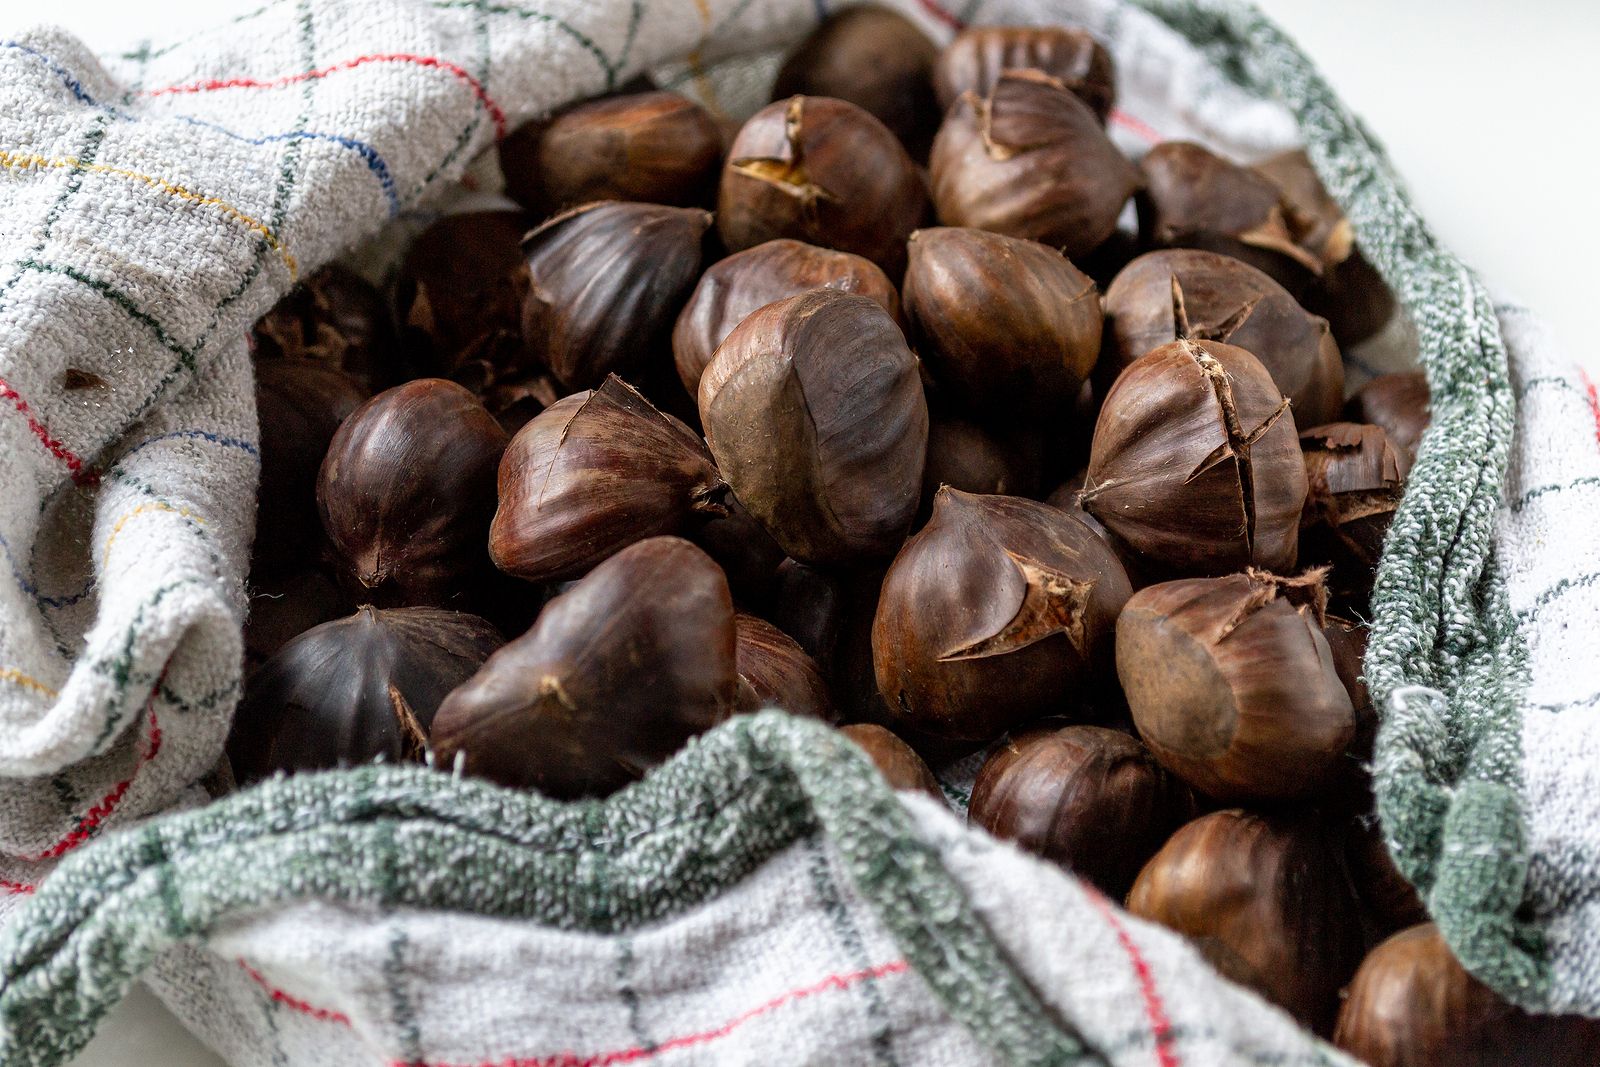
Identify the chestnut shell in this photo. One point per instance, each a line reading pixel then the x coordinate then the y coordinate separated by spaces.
pixel 978 55
pixel 778 671
pixel 897 761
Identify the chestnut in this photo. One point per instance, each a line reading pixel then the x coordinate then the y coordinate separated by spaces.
pixel 1399 404
pixel 1195 463
pixel 657 147
pixel 616 674
pixel 591 474
pixel 778 672
pixel 814 410
pixel 742 548
pixel 964 456
pixel 460 290
pixel 283 608
pixel 1233 687
pixel 976 58
pixel 829 614
pixel 876 59
pixel 822 171
pixel 406 493
pixel 1355 478
pixel 1029 159
pixel 354 690
pixel 1391 902
pixel 1266 901
pixel 732 288
pixel 1009 326
pixel 897 761
pixel 335 318
pixel 996 612
pixel 606 282
pixel 1090 799
pixel 1189 294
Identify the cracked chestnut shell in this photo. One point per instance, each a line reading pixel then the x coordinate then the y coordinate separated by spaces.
pixel 1010 327
pixel 1266 901
pixel 1355 479
pixel 355 690
pixel 974 61
pixel 657 147
pixel 1399 404
pixel 996 612
pixel 605 282
pixel 593 473
pixel 813 408
pixel 334 318
pixel 778 672
pixel 876 59
pixel 822 171
pixel 1188 294
pixel 1092 800
pixel 407 490
pixel 459 293
pixel 733 287
pixel 1232 685
pixel 617 673
pixel 1195 464
pixel 1029 159
pixel 897 761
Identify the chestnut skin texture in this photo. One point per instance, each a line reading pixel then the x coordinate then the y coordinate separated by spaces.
pixel 974 61
pixel 822 171
pixel 1090 799
pixel 996 612
pixel 778 672
pixel 460 291
pixel 897 761
pixel 1399 404
pixel 407 491
pixel 615 676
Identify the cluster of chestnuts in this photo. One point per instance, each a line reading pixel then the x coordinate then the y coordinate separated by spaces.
pixel 871 413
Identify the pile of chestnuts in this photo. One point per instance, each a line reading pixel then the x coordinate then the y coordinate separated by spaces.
pixel 869 411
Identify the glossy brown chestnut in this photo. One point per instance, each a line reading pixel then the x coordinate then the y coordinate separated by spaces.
pixel 1398 403
pixel 354 690
pixel 335 318
pixel 1195 462
pixel 593 473
pixel 974 61
pixel 778 672
pixel 1355 480
pixel 996 612
pixel 1233 687
pixel 460 291
pixel 1009 327
pixel 606 282
pixel 1183 293
pixel 1266 901
pixel 1029 159
pixel 897 761
pixel 733 287
pixel 407 490
pixel 1093 800
pixel 822 171
pixel 617 673
pixel 814 410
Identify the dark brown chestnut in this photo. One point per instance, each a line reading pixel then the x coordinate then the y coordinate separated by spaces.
pixel 1266 901
pixel 1398 403
pixel 743 549
pixel 283 608
pixel 593 473
pixel 1029 159
pixel 617 673
pixel 822 171
pixel 733 287
pixel 335 318
pixel 1010 327
pixel 876 59
pixel 1189 294
pixel 998 611
pixel 1195 463
pixel 1233 687
pixel 974 61
pixel 354 690
pixel 460 291
pixel 606 282
pixel 964 456
pixel 1092 800
pixel 657 147
pixel 778 672
pixel 407 490
pixel 897 761
pixel 829 614
pixel 814 410
pixel 1355 478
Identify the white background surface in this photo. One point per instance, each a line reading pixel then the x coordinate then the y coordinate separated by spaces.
pixel 1488 109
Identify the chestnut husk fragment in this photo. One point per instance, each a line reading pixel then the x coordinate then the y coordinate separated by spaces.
pixel 1266 901
pixel 777 671
pixel 1010 327
pixel 876 59
pixel 996 612
pixel 897 761
pixel 1355 479
pixel 733 287
pixel 354 690
pixel 459 293
pixel 406 493
pixel 1190 294
pixel 1397 402
pixel 822 171
pixel 606 281
pixel 1195 463
pixel 335 318
pixel 976 58
pixel 617 673
pixel 1029 159
pixel 656 147
pixel 814 410
pixel 592 474
pixel 1087 798
pixel 1413 1005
